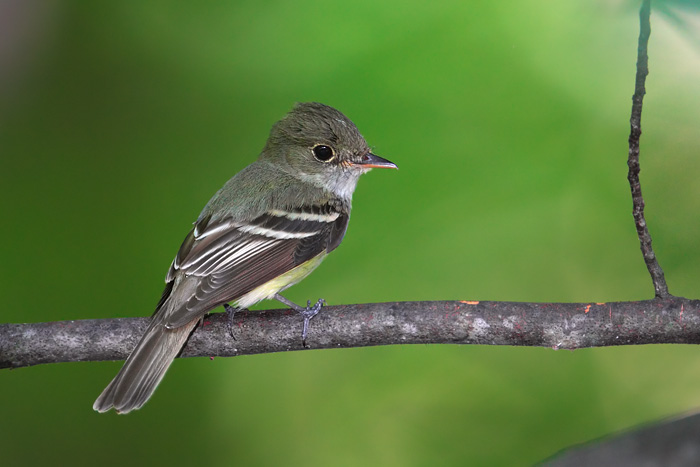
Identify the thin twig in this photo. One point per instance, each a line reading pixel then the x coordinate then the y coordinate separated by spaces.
pixel 555 325
pixel 657 274
pixel 666 319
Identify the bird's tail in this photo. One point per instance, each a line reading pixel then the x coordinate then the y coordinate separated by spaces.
pixel 145 367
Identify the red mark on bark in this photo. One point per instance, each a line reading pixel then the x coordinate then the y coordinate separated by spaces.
pixel 588 308
pixel 470 302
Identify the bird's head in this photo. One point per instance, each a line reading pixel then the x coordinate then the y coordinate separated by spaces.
pixel 317 144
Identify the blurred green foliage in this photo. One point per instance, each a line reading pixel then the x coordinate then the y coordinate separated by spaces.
pixel 509 121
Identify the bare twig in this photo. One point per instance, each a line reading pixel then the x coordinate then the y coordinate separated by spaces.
pixel 657 274
pixel 556 325
pixel 666 319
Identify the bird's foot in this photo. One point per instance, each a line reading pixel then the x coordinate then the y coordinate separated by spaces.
pixel 308 313
pixel 230 313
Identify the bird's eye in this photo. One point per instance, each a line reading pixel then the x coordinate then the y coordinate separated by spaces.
pixel 323 153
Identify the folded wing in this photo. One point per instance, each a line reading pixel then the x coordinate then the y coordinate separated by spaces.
pixel 232 258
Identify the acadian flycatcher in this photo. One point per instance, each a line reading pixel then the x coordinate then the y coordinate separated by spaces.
pixel 265 230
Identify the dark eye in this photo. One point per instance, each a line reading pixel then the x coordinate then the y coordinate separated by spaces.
pixel 323 153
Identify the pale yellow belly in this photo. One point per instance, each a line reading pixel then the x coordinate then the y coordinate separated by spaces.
pixel 278 284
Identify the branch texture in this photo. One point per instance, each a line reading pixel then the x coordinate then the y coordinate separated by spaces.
pixel 657 274
pixel 555 325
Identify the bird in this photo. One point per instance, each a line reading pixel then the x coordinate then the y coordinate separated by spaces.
pixel 265 230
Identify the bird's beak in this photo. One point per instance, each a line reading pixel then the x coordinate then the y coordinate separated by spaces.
pixel 370 160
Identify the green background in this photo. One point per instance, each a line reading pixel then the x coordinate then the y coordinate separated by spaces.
pixel 509 121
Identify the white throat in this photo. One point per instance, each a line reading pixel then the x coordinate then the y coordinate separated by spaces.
pixel 342 183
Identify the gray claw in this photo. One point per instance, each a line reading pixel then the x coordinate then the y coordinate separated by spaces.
pixel 309 313
pixel 231 312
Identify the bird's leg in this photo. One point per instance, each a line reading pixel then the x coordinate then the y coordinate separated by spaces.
pixel 307 313
pixel 230 312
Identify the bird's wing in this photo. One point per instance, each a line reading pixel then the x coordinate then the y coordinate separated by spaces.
pixel 231 258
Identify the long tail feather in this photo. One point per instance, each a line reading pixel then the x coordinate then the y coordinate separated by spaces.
pixel 145 368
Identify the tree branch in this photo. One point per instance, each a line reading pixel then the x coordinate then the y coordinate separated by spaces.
pixel 657 274
pixel 556 325
pixel 666 319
